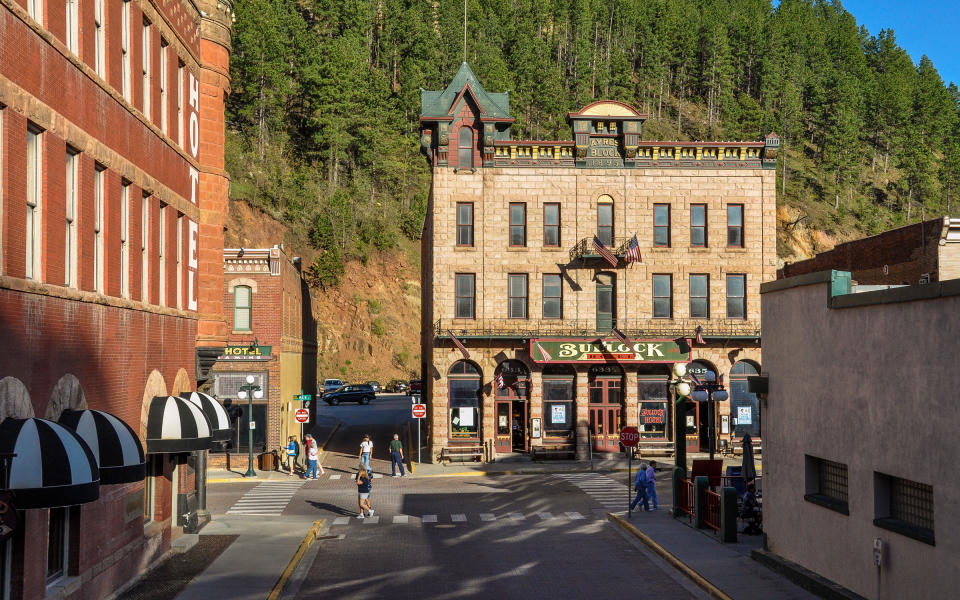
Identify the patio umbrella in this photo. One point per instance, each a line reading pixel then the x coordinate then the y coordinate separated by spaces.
pixel 748 470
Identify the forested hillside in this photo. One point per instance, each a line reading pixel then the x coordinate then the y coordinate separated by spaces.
pixel 322 121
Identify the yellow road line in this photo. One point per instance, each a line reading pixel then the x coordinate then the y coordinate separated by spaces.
pixel 304 546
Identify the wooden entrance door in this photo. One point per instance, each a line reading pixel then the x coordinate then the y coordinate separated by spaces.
pixel 518 426
pixel 605 414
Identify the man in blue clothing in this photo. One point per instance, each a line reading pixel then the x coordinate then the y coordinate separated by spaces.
pixel 640 484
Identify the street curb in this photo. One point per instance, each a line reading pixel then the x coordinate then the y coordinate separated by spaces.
pixel 245 480
pixel 712 590
pixel 308 541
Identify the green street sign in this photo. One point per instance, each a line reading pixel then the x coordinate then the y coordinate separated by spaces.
pixel 303 397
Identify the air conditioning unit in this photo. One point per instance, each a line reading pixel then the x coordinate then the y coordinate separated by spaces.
pixel 924 278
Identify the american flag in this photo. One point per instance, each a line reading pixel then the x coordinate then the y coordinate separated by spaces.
pixel 619 335
pixel 500 381
pixel 700 335
pixel 543 352
pixel 459 345
pixel 605 252
pixel 694 378
pixel 633 252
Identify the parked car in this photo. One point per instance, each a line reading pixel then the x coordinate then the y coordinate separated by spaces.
pixel 416 386
pixel 361 393
pixel 375 385
pixel 397 385
pixel 330 385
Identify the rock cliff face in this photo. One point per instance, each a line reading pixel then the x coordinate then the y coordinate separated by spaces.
pixel 369 327
pixel 796 241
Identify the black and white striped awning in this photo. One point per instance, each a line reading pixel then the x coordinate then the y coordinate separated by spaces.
pixel 114 444
pixel 53 466
pixel 175 425
pixel 216 414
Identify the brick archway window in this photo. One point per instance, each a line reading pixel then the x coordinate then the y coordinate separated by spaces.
pixel 466 148
pixel 242 308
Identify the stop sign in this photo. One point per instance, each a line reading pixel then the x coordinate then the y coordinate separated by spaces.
pixel 629 437
pixel 419 411
pixel 302 415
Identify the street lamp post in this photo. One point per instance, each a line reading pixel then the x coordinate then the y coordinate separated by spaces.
pixel 710 390
pixel 249 392
pixel 681 389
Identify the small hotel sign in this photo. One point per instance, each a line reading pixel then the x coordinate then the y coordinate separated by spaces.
pixel 246 352
pixel 579 351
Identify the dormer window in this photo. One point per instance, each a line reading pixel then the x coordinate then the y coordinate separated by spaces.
pixel 466 148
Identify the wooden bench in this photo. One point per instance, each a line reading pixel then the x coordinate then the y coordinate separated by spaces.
pixel 556 451
pixel 737 448
pixel 474 453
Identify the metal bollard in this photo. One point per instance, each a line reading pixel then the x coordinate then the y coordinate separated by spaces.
pixel 701 483
pixel 728 515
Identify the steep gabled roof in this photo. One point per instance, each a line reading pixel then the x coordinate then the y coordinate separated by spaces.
pixel 439 104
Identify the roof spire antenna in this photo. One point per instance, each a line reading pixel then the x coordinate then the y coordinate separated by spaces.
pixel 464 30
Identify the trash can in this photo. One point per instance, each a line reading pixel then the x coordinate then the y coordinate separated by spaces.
pixel 735 475
pixel 267 461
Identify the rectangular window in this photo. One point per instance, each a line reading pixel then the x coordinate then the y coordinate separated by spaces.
pixel 125 49
pixel 150 487
pixel 163 86
pixel 242 308
pixel 736 296
pixel 465 296
pixel 552 297
pixel 146 56
pixel 464 223
pixel 125 240
pixel 735 225
pixel 517 296
pixel 98 229
pixel 605 224
pixel 826 484
pixel 698 225
pixel 699 296
pixel 179 261
pixel 34 201
pixel 654 395
pixel 661 225
pixel 518 224
pixel 162 251
pixel 904 506
pixel 551 225
pixel 662 296
pixel 35 10
pixel 558 413
pixel 70 18
pixel 145 248
pixel 58 543
pixel 99 40
pixel 180 139
pixel 70 238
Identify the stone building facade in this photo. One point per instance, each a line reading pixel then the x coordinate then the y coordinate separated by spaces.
pixel 272 337
pixel 112 201
pixel 510 270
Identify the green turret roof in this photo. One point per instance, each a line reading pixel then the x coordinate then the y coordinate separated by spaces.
pixel 438 104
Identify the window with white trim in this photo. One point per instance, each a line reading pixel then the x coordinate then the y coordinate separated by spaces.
pixel 150 487
pixel 163 86
pixel 180 69
pixel 58 543
pixel 71 19
pixel 145 69
pixel 162 252
pixel 242 308
pixel 145 249
pixel 34 200
pixel 70 239
pixel 35 10
pixel 99 40
pixel 125 50
pixel 179 261
pixel 98 232
pixel 125 240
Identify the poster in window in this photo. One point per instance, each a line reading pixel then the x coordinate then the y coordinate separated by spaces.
pixel 466 417
pixel 502 422
pixel 559 414
pixel 690 422
pixel 744 415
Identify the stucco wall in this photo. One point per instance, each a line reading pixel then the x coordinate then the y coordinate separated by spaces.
pixel 871 387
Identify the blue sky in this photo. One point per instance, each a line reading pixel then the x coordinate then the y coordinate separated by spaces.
pixel 921 27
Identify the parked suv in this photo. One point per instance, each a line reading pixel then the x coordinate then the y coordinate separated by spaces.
pixel 330 385
pixel 416 386
pixel 375 385
pixel 361 393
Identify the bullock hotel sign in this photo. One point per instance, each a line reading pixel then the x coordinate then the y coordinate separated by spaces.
pixel 604 351
pixel 246 353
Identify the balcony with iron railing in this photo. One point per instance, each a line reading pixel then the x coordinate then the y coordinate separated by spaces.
pixel 715 329
pixel 584 249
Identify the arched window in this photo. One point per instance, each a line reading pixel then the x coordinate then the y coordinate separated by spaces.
pixel 744 405
pixel 465 384
pixel 242 308
pixel 466 148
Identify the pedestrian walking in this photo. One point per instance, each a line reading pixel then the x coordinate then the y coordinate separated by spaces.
pixel 313 458
pixel 652 484
pixel 396 456
pixel 366 449
pixel 291 449
pixel 364 485
pixel 640 484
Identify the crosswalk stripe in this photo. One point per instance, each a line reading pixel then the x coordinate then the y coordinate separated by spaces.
pixel 544 515
pixel 454 517
pixel 574 515
pixel 371 520
pixel 335 477
pixel 341 520
pixel 458 518
pixel 429 518
pixel 487 517
pixel 377 476
pixel 401 519
pixel 267 498
pixel 517 516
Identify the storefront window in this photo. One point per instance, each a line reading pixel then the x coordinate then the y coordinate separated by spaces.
pixel 654 408
pixel 464 380
pixel 744 406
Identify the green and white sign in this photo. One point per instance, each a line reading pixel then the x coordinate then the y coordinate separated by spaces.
pixel 605 351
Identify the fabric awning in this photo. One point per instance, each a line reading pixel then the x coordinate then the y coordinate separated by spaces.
pixel 53 466
pixel 216 414
pixel 175 425
pixel 114 444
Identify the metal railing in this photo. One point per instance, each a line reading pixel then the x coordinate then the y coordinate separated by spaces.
pixel 587 328
pixel 711 509
pixel 584 248
pixel 688 492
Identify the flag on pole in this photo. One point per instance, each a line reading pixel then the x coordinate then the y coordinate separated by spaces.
pixel 694 378
pixel 500 381
pixel 543 352
pixel 620 336
pixel 459 345
pixel 603 251
pixel 633 251
pixel 700 336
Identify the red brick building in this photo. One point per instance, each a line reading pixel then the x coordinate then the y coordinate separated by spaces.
pixel 112 200
pixel 273 337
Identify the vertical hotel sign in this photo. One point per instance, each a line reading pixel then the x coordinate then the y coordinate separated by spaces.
pixel 193 229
